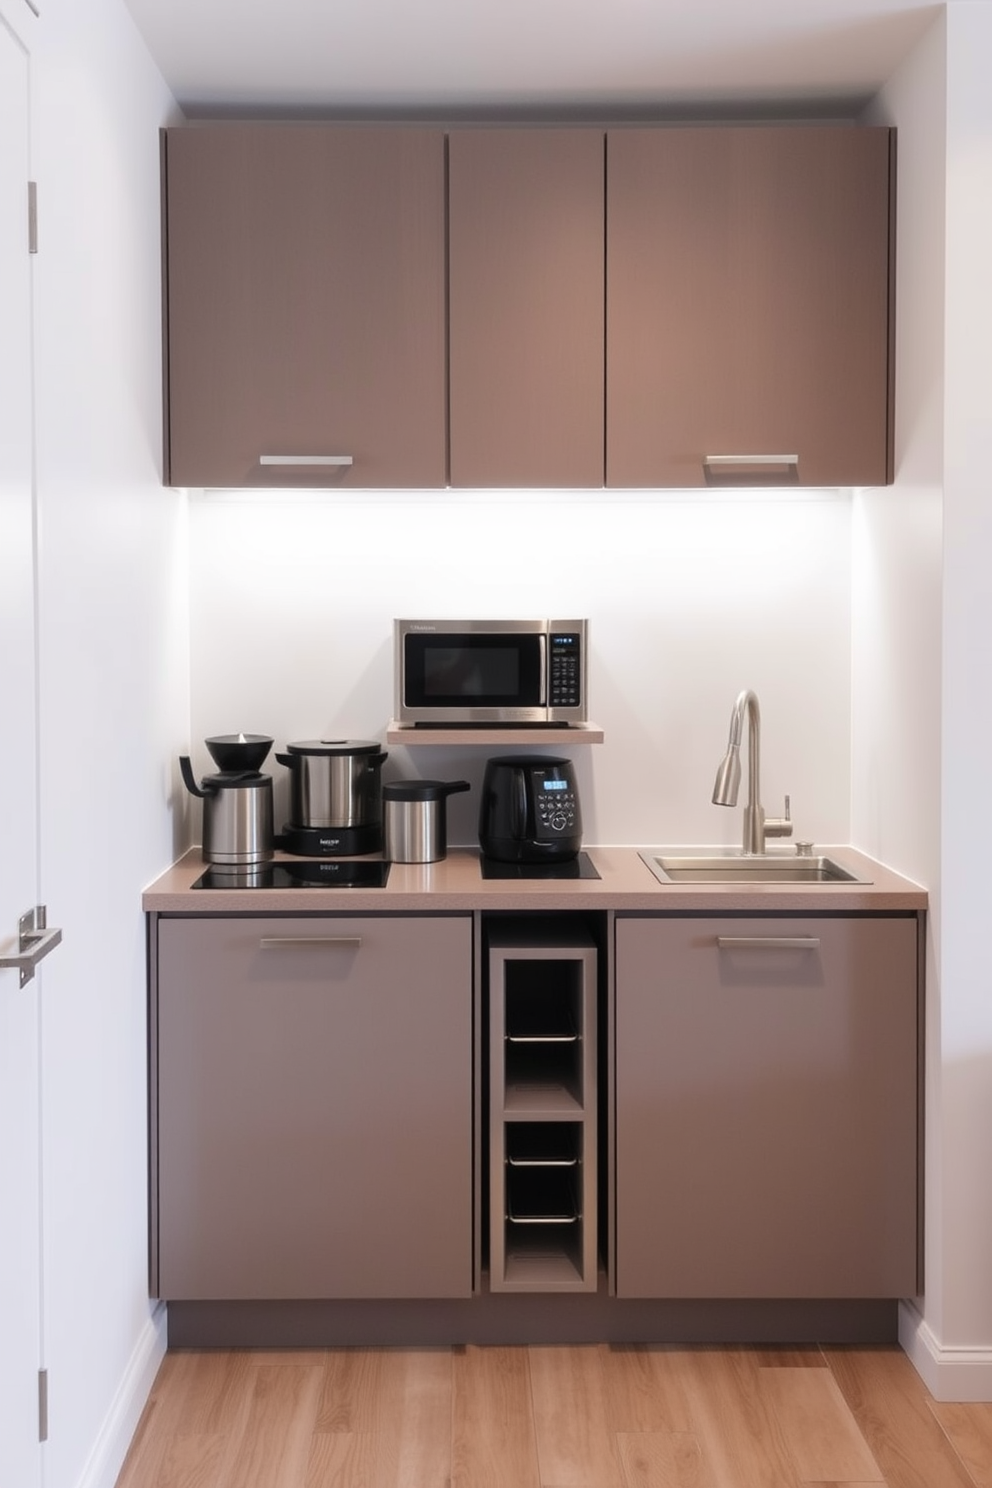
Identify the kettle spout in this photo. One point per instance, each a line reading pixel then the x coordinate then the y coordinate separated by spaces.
pixel 189 779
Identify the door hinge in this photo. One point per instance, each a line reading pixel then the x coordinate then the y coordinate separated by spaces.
pixel 32 216
pixel 43 1405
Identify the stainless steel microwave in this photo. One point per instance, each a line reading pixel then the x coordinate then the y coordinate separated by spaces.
pixel 490 671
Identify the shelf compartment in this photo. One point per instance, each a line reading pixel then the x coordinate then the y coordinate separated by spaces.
pixel 543 1144
pixel 543 1258
pixel 543 1123
pixel 541 1196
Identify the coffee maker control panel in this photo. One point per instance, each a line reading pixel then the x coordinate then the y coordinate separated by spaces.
pixel 557 808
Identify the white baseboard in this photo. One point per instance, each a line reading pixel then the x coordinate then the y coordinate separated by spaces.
pixel 110 1447
pixel 961 1374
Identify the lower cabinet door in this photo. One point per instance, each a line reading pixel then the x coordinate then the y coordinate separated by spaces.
pixel 313 1118
pixel 767 1107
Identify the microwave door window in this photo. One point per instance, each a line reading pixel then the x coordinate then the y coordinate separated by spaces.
pixel 471 674
pixel 482 671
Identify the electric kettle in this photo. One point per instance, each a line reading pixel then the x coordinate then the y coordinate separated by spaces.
pixel 237 801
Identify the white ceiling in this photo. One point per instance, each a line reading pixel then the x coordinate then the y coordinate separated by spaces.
pixel 532 57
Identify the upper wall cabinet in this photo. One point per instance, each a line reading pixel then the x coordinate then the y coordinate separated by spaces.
pixel 748 306
pixel 645 307
pixel 305 304
pixel 526 307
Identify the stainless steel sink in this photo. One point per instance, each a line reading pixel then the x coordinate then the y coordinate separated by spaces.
pixel 682 865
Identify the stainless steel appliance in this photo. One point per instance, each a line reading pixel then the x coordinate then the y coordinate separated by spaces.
pixel 416 827
pixel 490 671
pixel 530 810
pixel 336 788
pixel 237 801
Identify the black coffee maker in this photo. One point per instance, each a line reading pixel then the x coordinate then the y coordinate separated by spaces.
pixel 237 801
pixel 530 810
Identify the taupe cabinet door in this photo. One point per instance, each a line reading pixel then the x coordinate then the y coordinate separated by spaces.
pixel 748 305
pixel 305 305
pixel 314 1108
pixel 767 1107
pixel 526 307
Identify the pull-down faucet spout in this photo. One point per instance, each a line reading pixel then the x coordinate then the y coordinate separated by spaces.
pixel 728 777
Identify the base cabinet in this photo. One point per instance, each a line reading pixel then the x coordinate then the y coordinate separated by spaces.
pixel 767 1107
pixel 312 1120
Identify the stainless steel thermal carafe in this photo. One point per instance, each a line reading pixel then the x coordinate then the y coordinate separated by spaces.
pixel 416 819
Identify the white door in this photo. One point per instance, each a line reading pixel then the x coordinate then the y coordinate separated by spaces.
pixel 20 1225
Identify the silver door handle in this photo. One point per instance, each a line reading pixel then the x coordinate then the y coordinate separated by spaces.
pixel 34 941
pixel 720 462
pixel 343 942
pixel 306 460
pixel 768 942
pixel 722 469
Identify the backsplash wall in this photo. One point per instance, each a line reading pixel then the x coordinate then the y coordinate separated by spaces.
pixel 690 598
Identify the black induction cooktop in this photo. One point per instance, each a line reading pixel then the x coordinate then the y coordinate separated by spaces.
pixel 577 867
pixel 323 873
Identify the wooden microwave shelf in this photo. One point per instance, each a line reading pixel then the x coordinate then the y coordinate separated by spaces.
pixel 416 734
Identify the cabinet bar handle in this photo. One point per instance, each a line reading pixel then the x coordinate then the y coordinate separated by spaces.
pixel 718 462
pixel 343 942
pixel 768 942
pixel 306 460
pixel 728 470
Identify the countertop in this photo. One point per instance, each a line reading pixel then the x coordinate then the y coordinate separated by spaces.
pixel 455 884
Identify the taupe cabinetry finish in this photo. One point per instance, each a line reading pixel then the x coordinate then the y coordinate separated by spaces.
pixel 312 1128
pixel 526 307
pixel 766 1106
pixel 305 305
pixel 748 305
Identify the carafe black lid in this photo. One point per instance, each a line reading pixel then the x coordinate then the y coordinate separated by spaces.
pixel 422 790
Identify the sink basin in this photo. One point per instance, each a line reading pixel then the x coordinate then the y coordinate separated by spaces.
pixel 681 865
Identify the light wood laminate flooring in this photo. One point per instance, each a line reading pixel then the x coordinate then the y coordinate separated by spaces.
pixel 598 1416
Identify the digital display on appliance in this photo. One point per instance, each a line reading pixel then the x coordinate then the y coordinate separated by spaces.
pixel 468 672
pixel 552 785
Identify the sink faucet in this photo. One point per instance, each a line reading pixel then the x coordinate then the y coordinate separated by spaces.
pixel 728 778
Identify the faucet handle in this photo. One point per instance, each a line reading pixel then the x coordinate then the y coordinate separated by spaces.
pixel 780 826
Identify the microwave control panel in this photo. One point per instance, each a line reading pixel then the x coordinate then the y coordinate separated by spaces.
pixel 565 670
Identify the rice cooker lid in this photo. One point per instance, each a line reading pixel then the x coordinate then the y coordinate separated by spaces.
pixel 334 747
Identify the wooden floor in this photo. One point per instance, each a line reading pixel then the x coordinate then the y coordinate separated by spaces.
pixel 564 1417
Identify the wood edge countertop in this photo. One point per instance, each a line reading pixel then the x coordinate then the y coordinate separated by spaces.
pixel 455 885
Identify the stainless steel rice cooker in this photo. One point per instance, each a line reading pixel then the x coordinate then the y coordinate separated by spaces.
pixel 336 797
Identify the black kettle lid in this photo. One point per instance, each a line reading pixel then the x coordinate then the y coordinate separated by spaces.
pixel 334 746
pixel 235 780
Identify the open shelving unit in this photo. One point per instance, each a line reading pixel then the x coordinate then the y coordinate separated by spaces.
pixel 542 1109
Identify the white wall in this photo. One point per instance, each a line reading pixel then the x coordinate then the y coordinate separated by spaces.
pixel 922 705
pixel 898 576
pixel 690 598
pixel 965 1315
pixel 114 698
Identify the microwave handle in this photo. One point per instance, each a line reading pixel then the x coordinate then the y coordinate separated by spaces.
pixel 543 643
